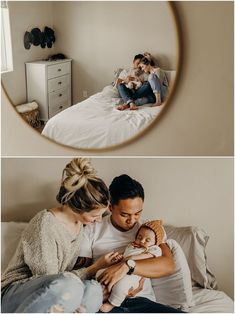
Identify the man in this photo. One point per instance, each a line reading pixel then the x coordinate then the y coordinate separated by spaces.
pixel 117 230
pixel 133 98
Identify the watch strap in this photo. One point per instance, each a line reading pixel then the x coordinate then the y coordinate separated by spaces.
pixel 131 269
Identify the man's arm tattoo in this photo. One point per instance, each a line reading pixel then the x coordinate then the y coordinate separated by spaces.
pixel 82 262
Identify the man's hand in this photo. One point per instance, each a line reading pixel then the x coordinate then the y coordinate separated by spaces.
pixel 113 274
pixel 132 292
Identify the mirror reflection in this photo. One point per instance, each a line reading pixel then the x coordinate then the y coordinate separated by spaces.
pixel 104 79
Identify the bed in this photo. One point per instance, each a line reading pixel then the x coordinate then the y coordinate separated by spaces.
pixel 96 123
pixel 192 287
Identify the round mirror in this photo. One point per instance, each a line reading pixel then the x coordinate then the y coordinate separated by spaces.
pixel 104 80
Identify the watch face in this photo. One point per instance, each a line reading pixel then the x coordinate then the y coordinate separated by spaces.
pixel 131 263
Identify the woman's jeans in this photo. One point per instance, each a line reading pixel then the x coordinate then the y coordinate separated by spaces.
pixel 157 86
pixel 64 292
pixel 144 94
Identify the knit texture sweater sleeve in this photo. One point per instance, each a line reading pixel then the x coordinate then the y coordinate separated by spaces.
pixel 46 247
pixel 40 248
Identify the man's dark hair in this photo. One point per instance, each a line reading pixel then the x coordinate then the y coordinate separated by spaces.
pixel 124 187
pixel 147 61
pixel 139 56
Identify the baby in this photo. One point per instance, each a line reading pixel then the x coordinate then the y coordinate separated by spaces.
pixel 135 81
pixel 146 245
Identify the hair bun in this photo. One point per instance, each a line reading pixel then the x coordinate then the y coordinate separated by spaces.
pixel 148 56
pixel 77 173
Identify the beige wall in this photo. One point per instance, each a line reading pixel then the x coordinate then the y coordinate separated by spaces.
pixel 101 37
pixel 191 191
pixel 24 16
pixel 199 119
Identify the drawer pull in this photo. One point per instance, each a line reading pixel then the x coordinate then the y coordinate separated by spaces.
pixel 60 107
pixel 60 95
pixel 59 83
pixel 59 70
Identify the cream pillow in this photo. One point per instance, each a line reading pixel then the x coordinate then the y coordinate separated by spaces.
pixel 10 237
pixel 193 241
pixel 175 290
pixel 117 73
pixel 170 74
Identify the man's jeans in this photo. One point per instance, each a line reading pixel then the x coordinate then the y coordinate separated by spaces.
pixel 52 293
pixel 144 94
pixel 143 305
pixel 141 96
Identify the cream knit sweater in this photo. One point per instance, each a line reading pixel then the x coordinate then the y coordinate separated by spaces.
pixel 46 247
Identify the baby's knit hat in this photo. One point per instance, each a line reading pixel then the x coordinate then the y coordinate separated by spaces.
pixel 157 228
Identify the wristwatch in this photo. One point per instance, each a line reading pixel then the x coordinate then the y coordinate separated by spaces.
pixel 131 264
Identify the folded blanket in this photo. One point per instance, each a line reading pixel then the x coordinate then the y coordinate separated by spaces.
pixel 27 107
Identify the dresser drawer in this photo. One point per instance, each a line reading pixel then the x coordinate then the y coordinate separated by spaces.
pixel 58 70
pixel 60 95
pixel 57 107
pixel 58 83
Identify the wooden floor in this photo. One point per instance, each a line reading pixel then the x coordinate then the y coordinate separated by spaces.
pixel 40 129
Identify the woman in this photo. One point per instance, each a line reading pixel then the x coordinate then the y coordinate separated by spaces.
pixel 156 82
pixel 42 277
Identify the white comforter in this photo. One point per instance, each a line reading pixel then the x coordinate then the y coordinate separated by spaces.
pixel 96 123
pixel 211 301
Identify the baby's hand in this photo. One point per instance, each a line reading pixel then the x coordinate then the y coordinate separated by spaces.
pixel 132 292
pixel 139 245
pixel 112 258
pixel 115 257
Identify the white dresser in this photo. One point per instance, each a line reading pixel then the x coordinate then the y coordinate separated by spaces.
pixel 49 84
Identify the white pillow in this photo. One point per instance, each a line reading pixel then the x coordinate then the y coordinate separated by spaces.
pixel 110 91
pixel 175 290
pixel 170 76
pixel 117 72
pixel 193 241
pixel 10 237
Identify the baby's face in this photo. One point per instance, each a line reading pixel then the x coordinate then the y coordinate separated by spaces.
pixel 145 237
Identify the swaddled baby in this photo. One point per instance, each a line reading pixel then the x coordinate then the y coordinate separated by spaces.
pixel 146 245
pixel 135 81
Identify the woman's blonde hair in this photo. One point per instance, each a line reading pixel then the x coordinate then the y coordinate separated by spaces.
pixel 81 188
pixel 149 57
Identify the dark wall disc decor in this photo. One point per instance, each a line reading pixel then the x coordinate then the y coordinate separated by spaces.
pixel 27 40
pixel 36 37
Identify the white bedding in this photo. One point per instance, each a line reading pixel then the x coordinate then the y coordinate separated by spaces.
pixel 96 123
pixel 211 301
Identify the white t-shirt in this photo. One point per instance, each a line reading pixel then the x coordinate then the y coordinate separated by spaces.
pixel 102 237
pixel 125 73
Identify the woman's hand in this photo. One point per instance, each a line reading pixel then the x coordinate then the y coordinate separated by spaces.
pixel 108 260
pixel 106 293
pixel 113 274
